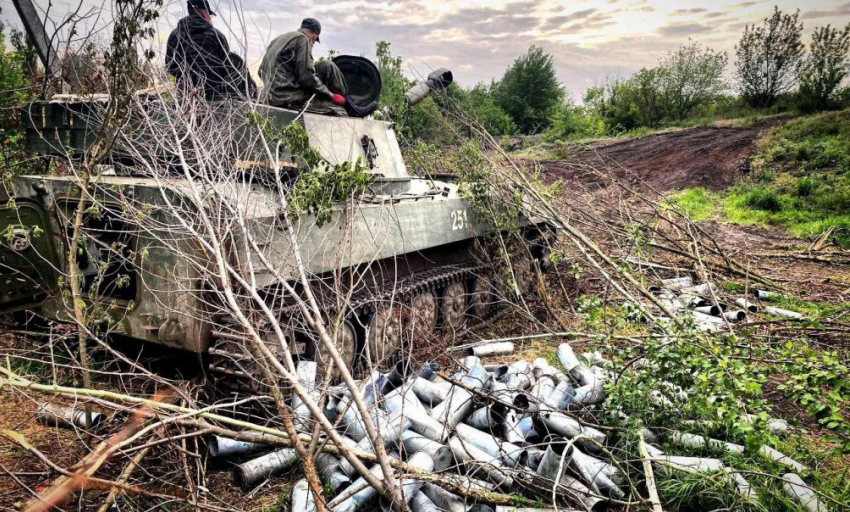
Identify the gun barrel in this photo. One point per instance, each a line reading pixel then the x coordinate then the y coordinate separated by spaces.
pixel 436 81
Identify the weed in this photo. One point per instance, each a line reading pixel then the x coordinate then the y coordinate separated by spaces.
pixel 805 186
pixel 733 287
pixel 763 199
pixel 702 492
pixel 698 203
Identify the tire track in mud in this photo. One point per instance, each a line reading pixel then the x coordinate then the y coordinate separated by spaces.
pixel 710 157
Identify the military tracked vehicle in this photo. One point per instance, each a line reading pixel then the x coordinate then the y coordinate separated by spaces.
pixel 402 257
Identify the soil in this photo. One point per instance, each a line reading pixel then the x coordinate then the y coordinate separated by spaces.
pixel 774 253
pixel 709 157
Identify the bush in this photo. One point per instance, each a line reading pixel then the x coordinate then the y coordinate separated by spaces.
pixel 804 187
pixel 574 122
pixel 763 199
pixel 834 198
pixel 14 89
pixel 478 102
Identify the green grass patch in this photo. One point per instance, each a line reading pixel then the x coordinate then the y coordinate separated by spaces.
pixel 802 216
pixel 813 310
pixel 698 203
pixel 800 181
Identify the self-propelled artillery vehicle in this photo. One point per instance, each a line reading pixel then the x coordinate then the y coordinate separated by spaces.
pixel 409 240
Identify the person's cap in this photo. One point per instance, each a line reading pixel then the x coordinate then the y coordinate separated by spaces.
pixel 314 25
pixel 200 4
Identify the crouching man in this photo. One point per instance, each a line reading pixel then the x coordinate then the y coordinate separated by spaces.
pixel 291 77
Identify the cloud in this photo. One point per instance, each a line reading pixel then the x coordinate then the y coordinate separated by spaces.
pixel 553 22
pixel 841 10
pixel 593 24
pixel 578 22
pixel 688 12
pixel 684 29
pixel 739 26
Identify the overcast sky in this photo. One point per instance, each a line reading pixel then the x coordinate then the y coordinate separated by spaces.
pixel 589 39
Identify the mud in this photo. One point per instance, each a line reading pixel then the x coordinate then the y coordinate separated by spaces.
pixel 710 157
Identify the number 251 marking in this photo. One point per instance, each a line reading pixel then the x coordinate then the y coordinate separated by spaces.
pixel 459 220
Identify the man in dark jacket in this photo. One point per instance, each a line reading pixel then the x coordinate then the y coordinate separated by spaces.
pixel 198 57
pixel 291 78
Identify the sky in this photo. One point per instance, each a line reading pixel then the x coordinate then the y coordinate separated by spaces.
pixel 478 40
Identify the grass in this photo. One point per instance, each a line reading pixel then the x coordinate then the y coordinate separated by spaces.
pixel 813 310
pixel 698 203
pixel 800 181
pixel 765 206
pixel 680 491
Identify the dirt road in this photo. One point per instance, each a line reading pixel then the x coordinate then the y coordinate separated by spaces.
pixel 710 157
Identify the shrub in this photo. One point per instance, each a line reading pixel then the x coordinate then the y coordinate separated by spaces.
pixel 834 198
pixel 574 122
pixel 804 187
pixel 763 199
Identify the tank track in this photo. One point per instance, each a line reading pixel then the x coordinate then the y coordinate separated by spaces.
pixel 234 370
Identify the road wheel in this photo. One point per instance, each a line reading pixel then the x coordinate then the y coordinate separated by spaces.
pixel 384 337
pixel 523 272
pixel 482 297
pixel 422 319
pixel 345 340
pixel 454 305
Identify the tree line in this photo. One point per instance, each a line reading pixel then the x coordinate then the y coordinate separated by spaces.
pixel 774 71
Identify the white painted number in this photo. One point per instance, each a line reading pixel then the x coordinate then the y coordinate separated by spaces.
pixel 459 220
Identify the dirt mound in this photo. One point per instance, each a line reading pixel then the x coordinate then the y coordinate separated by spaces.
pixel 710 157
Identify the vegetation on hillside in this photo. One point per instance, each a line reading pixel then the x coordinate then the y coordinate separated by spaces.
pixel 800 180
pixel 775 72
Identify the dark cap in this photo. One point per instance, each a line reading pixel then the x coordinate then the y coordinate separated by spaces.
pixel 200 4
pixel 314 25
